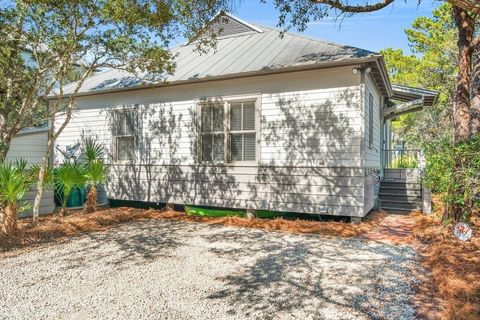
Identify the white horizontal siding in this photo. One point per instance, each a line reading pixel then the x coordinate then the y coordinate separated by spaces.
pixel 372 154
pixel 310 121
pixel 32 148
pixel 47 205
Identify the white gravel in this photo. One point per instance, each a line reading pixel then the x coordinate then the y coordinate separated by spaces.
pixel 178 270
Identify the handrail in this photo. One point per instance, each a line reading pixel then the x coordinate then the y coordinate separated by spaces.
pixel 403 158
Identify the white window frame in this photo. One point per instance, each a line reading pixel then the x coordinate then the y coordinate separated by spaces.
pixel 226 102
pixel 115 136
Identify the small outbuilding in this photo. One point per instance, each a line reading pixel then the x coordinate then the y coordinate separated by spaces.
pixel 31 144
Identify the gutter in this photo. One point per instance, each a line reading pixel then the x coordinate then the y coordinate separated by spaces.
pixel 239 76
pixel 403 108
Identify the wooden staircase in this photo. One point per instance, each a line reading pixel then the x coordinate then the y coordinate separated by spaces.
pixel 401 191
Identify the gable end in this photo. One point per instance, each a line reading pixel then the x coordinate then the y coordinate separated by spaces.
pixel 226 25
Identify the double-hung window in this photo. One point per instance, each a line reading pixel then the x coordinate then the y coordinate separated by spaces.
pixel 124 134
pixel 229 131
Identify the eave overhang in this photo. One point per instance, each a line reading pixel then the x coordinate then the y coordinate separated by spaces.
pixel 408 100
pixel 376 62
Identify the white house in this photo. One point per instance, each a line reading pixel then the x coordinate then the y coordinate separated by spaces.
pixel 262 121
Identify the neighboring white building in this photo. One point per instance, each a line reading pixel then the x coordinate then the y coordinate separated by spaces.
pixel 31 144
pixel 263 122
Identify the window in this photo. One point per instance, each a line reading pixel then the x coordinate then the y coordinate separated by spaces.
pixel 124 135
pixel 370 120
pixel 213 132
pixel 242 130
pixel 229 131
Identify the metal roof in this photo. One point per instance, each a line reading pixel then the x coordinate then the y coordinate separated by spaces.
pixel 406 94
pixel 242 49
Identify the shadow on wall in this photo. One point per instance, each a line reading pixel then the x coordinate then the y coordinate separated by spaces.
pixel 311 154
pixel 310 158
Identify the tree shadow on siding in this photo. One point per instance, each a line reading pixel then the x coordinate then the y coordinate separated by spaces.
pixel 167 169
pixel 311 155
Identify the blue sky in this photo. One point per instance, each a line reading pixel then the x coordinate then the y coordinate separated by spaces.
pixel 372 31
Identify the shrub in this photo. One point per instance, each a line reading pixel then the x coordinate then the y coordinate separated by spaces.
pixel 454 171
pixel 66 178
pixel 95 171
pixel 15 181
pixel 406 162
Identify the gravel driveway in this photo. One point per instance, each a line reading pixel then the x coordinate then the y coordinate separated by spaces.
pixel 178 270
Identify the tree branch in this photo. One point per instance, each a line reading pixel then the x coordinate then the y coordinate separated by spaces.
pixel 476 42
pixel 344 7
pixel 469 5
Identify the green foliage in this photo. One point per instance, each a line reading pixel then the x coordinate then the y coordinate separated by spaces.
pixel 95 173
pixel 67 177
pixel 406 162
pixel 95 168
pixel 34 171
pixel 433 66
pixel 92 150
pixel 46 44
pixel 14 182
pixel 454 171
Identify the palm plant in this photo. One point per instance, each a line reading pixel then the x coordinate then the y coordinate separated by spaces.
pixel 96 174
pixel 67 177
pixel 14 183
pixel 92 150
pixel 96 171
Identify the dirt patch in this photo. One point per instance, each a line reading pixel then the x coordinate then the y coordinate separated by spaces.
pixel 452 280
pixel 57 228
pixel 394 229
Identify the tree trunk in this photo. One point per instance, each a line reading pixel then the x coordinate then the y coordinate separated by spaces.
pixel 475 93
pixel 461 104
pixel 461 100
pixel 9 226
pixel 2 214
pixel 41 178
pixel 5 146
pixel 91 203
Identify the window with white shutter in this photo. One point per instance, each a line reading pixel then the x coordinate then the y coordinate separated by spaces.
pixel 242 131
pixel 228 131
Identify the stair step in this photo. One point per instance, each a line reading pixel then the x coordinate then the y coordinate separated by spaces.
pixel 401 193
pixel 397 185
pixel 402 201
pixel 396 210
pixel 401 205
pixel 401 198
